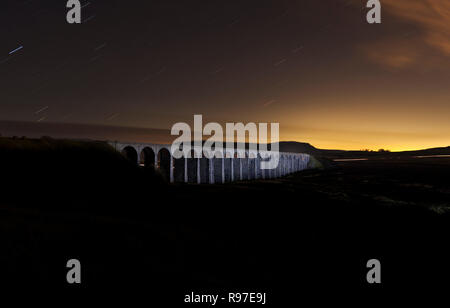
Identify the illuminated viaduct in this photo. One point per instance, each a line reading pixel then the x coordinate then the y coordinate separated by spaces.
pixel 209 170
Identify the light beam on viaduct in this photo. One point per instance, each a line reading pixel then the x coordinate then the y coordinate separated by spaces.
pixel 204 170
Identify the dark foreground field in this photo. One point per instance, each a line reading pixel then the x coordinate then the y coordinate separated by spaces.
pixel 305 236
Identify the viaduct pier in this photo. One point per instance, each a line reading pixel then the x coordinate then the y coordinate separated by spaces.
pixel 234 164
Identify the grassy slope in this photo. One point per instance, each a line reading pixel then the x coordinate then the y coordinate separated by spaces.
pixel 81 199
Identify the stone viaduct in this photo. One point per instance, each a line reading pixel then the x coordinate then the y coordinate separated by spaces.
pixel 209 170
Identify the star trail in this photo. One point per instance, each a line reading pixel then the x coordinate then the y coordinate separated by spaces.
pixel 319 69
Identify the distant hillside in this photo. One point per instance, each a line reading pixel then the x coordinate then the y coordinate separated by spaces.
pixel 433 151
pixel 84 131
pixel 298 147
pixel 335 154
pixel 302 147
pixel 163 136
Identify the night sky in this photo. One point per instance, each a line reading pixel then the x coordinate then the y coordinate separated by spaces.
pixel 316 67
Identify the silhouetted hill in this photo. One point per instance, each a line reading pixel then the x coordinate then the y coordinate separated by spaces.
pixel 432 151
pixel 64 171
pixel 163 136
pixel 84 131
pixel 337 154
pixel 298 147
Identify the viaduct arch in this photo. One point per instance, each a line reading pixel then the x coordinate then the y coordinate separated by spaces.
pixel 227 168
